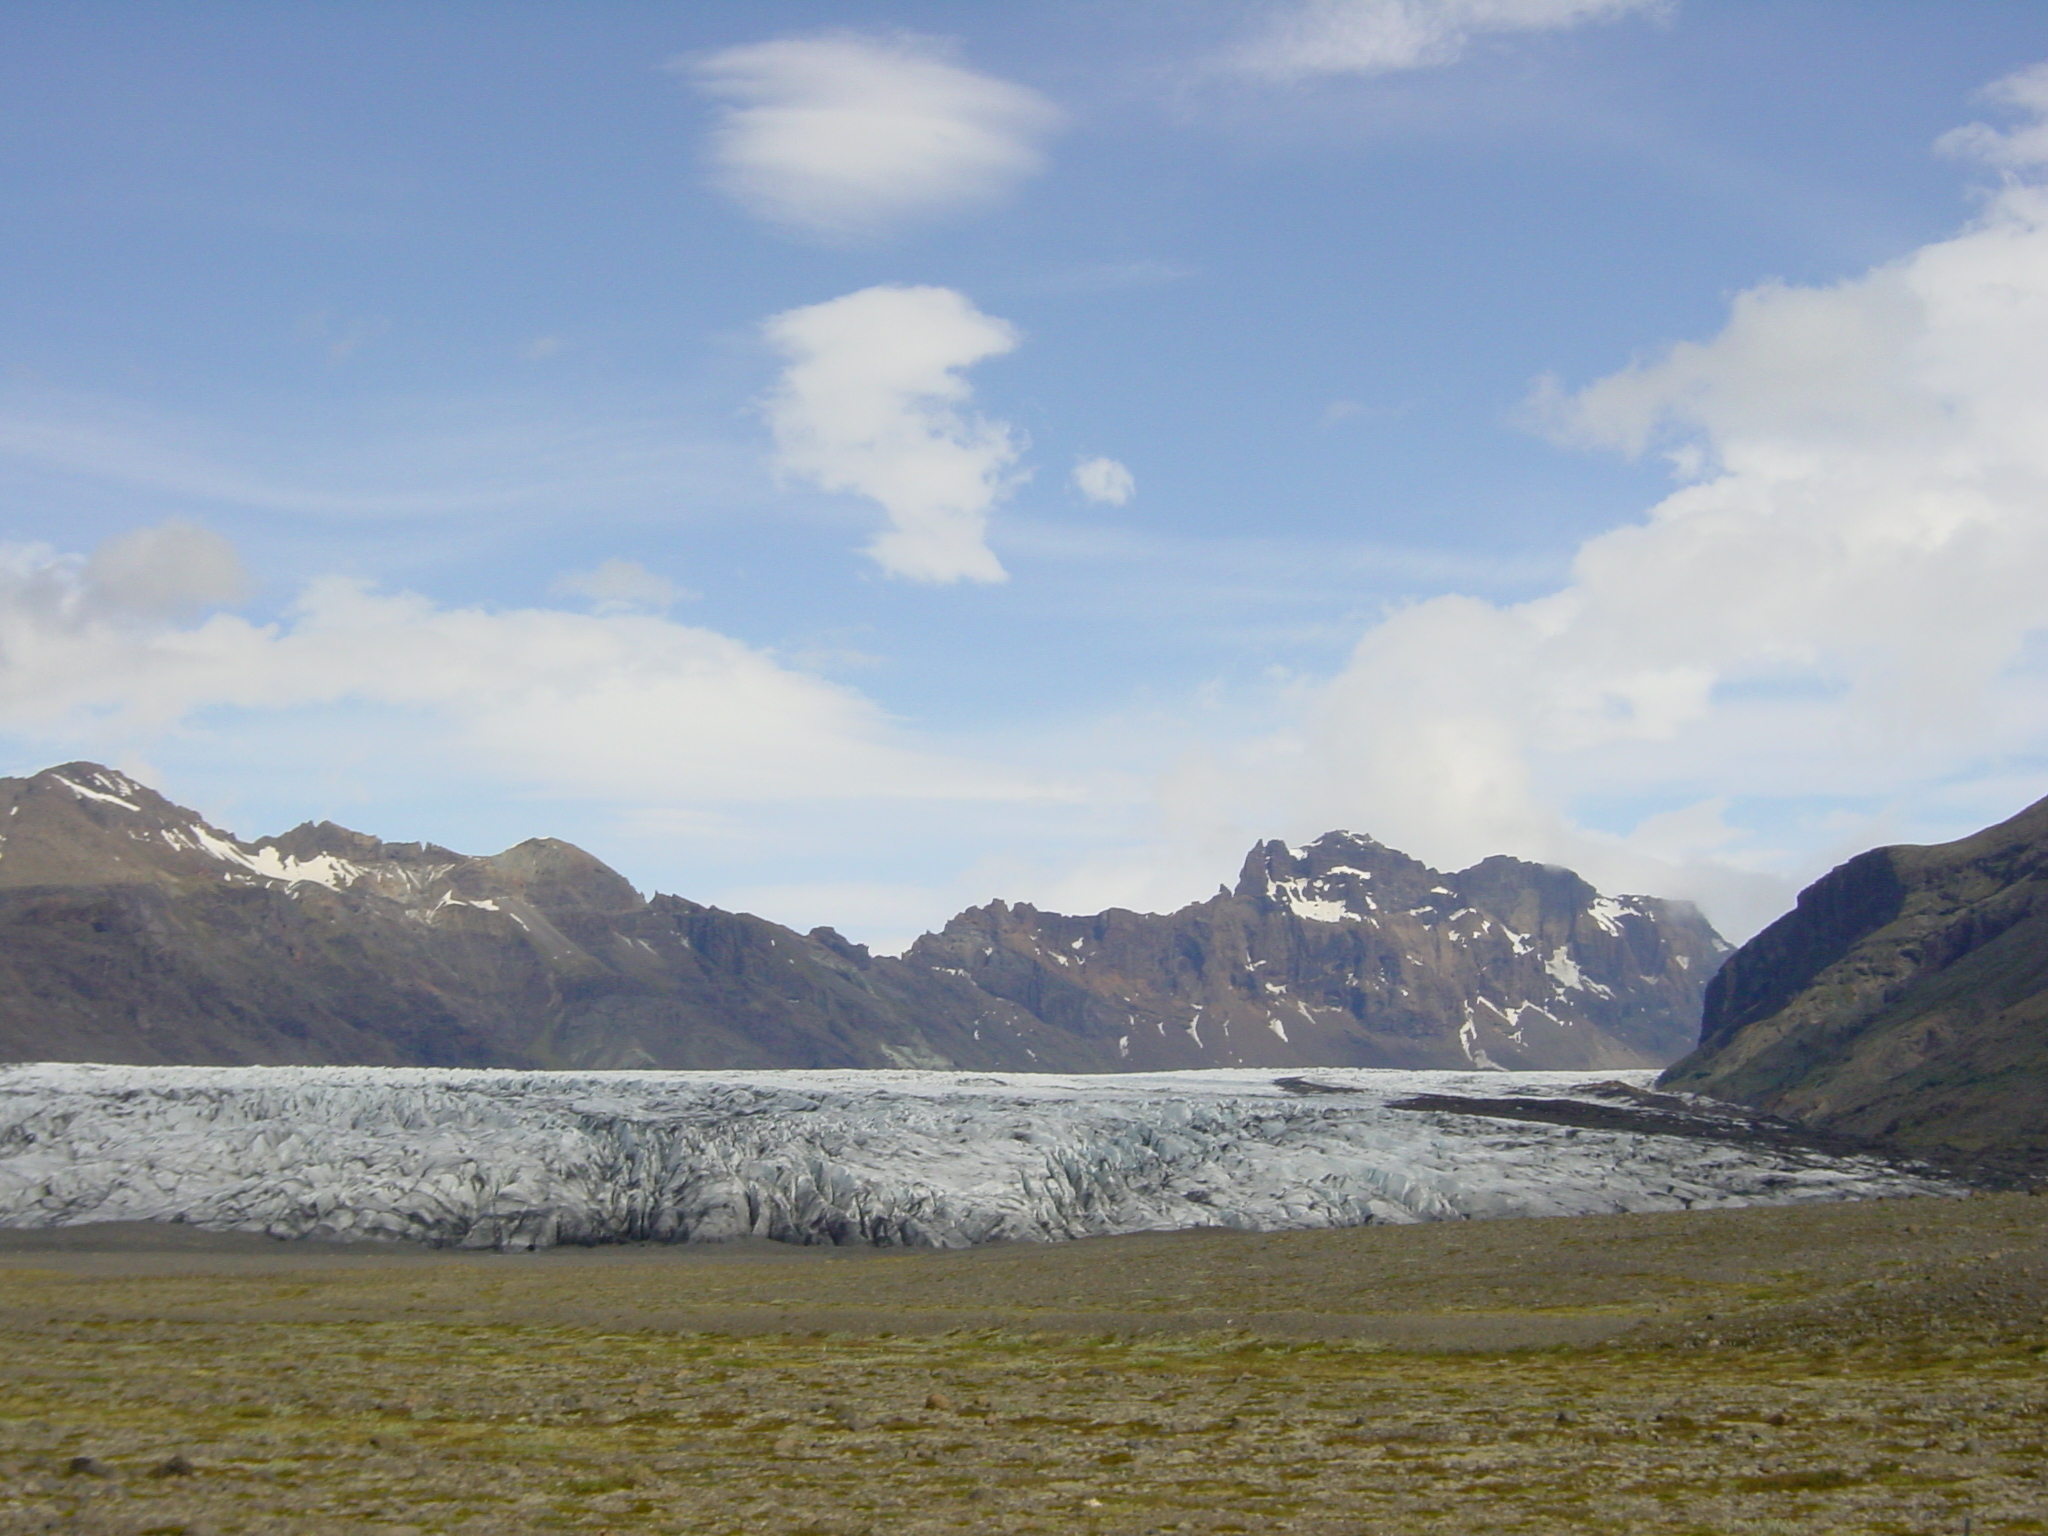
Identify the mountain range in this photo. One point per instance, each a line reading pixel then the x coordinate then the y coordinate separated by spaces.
pixel 132 930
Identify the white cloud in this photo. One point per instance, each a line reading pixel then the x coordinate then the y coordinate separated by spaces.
pixel 163 572
pixel 633 710
pixel 621 586
pixel 871 403
pixel 1104 480
pixel 1373 37
pixel 845 136
pixel 2021 148
pixel 1837 622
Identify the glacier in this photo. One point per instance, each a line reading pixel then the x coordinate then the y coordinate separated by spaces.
pixel 523 1160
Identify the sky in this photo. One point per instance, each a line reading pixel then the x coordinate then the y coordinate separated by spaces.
pixel 849 461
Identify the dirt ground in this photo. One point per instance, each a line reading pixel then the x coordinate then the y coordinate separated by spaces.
pixel 1878 1368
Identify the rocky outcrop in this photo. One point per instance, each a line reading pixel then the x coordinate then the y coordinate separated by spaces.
pixel 1904 999
pixel 133 931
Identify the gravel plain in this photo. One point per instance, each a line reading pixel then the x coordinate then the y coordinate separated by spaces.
pixel 1876 1367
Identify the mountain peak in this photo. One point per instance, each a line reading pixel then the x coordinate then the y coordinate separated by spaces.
pixel 555 875
pixel 96 781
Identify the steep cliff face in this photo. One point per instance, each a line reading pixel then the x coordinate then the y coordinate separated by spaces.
pixel 1905 999
pixel 1349 953
pixel 132 931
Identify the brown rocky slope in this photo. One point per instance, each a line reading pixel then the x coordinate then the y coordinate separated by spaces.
pixel 1349 953
pixel 133 931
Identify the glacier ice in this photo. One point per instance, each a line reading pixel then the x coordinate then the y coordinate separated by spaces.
pixel 512 1159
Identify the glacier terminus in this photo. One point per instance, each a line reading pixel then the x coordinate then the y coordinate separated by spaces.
pixel 485 1158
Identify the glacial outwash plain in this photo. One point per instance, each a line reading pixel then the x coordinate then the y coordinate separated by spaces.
pixel 1859 1367
pixel 1412 1293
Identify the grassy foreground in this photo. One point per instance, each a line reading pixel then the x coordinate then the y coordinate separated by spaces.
pixel 1841 1369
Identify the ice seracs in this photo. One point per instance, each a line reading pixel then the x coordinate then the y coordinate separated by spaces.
pixel 500 1159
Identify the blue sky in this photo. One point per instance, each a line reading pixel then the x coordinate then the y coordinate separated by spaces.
pixel 847 461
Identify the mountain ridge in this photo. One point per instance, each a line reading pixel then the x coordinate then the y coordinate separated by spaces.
pixel 133 930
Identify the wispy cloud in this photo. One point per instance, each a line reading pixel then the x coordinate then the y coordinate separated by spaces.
pixel 2022 146
pixel 872 402
pixel 846 136
pixel 495 457
pixel 622 586
pixel 342 337
pixel 1307 38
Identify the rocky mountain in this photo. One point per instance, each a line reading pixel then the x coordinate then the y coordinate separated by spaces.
pixel 1904 999
pixel 133 931
pixel 1348 953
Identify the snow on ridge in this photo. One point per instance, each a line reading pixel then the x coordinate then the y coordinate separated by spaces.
pixel 322 869
pixel 196 837
pixel 83 793
pixel 513 1159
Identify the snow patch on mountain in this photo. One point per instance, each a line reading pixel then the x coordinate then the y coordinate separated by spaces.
pixel 1607 911
pixel 322 869
pixel 1294 895
pixel 113 789
pixel 1565 970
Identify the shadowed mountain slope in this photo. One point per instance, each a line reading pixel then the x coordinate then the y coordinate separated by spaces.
pixel 1904 999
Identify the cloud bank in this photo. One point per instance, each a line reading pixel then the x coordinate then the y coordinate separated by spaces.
pixel 165 572
pixel 846 137
pixel 1839 621
pixel 628 708
pixel 871 402
pixel 1375 37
